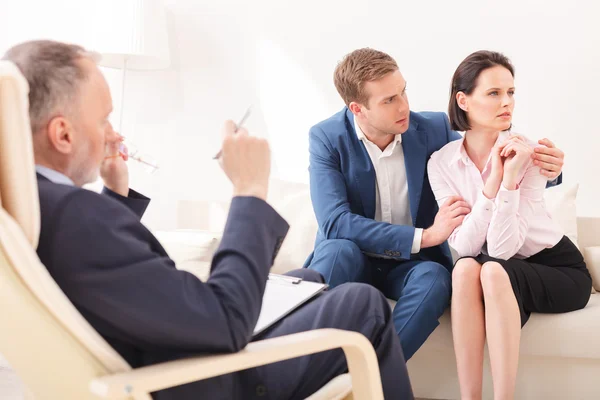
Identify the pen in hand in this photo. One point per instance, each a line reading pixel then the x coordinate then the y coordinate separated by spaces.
pixel 238 126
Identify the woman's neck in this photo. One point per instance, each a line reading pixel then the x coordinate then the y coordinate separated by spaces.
pixel 478 145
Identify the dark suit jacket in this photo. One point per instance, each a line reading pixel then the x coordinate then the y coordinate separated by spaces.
pixel 123 282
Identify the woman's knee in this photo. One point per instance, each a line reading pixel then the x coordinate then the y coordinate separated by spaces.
pixel 494 279
pixel 466 274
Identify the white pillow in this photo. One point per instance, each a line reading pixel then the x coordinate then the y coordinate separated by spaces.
pixel 297 210
pixel 191 250
pixel 560 203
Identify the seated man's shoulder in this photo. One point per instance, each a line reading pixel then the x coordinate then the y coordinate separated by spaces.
pixel 54 198
pixel 335 125
pixel 432 121
pixel 436 127
pixel 51 193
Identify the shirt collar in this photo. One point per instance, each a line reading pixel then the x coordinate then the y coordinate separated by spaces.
pixel 461 153
pixel 361 135
pixel 53 176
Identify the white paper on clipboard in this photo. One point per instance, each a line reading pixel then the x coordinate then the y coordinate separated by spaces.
pixel 283 294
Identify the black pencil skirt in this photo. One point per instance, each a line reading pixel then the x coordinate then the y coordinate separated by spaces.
pixel 555 280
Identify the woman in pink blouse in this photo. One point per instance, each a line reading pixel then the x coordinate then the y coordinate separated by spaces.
pixel 514 259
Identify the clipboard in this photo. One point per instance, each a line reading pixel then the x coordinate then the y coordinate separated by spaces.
pixel 284 294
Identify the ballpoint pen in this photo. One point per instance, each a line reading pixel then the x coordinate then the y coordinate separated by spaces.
pixel 238 126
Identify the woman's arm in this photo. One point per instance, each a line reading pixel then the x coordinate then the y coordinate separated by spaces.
pixel 468 238
pixel 517 201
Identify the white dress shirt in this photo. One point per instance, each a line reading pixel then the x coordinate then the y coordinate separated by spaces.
pixel 391 191
pixel 53 176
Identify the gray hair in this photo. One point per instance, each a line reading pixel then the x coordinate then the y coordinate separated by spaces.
pixel 54 75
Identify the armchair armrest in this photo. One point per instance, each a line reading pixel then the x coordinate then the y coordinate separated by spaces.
pixel 360 355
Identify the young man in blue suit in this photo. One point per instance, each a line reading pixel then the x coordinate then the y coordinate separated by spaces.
pixel 123 282
pixel 378 220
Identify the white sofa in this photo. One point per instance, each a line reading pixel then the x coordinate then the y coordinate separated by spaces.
pixel 560 354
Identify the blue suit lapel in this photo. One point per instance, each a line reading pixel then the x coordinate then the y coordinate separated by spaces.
pixel 414 144
pixel 364 172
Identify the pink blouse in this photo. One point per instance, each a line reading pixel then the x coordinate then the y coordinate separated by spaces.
pixel 514 224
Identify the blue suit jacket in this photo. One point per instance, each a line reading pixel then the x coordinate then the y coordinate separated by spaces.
pixel 342 186
pixel 123 282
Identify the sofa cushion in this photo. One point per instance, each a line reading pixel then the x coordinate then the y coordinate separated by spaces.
pixel 573 334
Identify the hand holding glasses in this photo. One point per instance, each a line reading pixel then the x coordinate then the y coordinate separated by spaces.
pixel 129 150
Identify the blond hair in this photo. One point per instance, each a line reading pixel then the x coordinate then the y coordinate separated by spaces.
pixel 359 67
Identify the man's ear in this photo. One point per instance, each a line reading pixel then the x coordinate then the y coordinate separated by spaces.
pixel 355 108
pixel 60 134
pixel 462 101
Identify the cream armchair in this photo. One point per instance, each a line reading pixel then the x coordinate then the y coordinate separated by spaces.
pixel 58 355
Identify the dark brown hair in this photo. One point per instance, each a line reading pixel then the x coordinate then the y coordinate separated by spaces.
pixel 465 80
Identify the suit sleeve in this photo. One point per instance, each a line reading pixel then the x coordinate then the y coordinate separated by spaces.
pixel 555 182
pixel 115 273
pixel 332 208
pixel 135 201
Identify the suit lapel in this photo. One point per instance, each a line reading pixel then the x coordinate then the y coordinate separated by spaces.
pixel 364 172
pixel 414 145
pixel 41 177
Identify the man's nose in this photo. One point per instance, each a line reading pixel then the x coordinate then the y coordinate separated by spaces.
pixel 112 135
pixel 403 104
